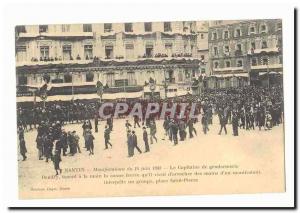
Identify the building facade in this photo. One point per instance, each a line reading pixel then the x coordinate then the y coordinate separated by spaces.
pixel 243 52
pixel 117 54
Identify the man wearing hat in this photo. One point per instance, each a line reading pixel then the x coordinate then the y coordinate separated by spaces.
pixel 134 142
pixel 130 144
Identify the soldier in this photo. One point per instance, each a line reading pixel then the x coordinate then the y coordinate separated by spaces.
pixel 145 138
pixel 235 123
pixel 182 132
pixel 166 126
pixel 222 119
pixel 174 131
pixel 90 141
pixel 152 131
pixel 190 125
pixel 134 142
pixel 136 121
pixel 107 137
pixel 204 121
pixel 39 146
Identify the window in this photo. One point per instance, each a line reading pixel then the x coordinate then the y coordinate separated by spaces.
pixel 110 79
pixel 109 52
pixel 239 63
pixel 180 76
pixel 167 27
pixel 202 57
pixel 239 47
pixel 67 52
pixel 216 64
pixel 226 34
pixel 226 49
pixel 169 50
pixel 202 36
pixel 216 51
pixel 263 28
pixel 87 28
pixel 107 27
pixel 214 36
pixel 128 27
pixel 21 53
pixel 89 77
pixel 65 28
pixel 131 79
pixel 264 45
pixel 265 61
pixel 68 78
pixel 88 52
pixel 227 63
pixel 20 29
pixel 254 62
pixel 44 52
pixel 148 26
pixel 252 30
pixel 149 51
pixel 43 28
pixel 238 32
pixel 129 49
pixel 22 80
pixel 253 45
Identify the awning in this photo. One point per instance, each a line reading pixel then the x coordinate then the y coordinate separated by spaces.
pixel 270 73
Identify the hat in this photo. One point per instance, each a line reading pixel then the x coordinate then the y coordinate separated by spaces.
pixel 144 127
pixel 133 132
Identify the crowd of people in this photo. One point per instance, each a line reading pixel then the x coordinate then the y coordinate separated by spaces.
pixel 246 108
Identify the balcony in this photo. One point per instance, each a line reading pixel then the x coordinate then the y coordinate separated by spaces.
pixel 238 53
pixel 265 50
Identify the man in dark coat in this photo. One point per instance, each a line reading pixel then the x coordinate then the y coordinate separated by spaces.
pixel 145 138
pixel 96 122
pixel 235 123
pixel 204 121
pixel 130 144
pixel 40 146
pixel 223 122
pixel 134 142
pixel 107 137
pixel 136 121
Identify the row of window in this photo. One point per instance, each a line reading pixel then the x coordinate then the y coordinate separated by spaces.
pixel 239 62
pixel 238 32
pixel 239 48
pixel 109 52
pixel 108 27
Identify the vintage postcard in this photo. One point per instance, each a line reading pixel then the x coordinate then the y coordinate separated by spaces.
pixel 150 108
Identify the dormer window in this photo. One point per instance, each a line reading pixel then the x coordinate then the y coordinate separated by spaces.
pixel 227 63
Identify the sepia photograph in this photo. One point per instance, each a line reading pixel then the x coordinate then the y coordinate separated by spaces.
pixel 150 108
